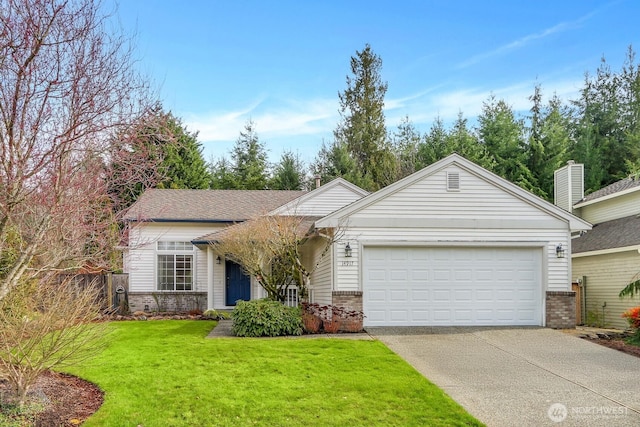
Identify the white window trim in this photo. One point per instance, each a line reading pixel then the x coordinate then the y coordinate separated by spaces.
pixel 194 268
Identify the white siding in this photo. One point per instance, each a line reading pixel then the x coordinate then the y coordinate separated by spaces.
pixel 614 208
pixel 568 184
pixel 577 183
pixel 606 275
pixel 561 189
pixel 141 262
pixel 322 201
pixel 321 278
pixel 329 201
pixel 429 199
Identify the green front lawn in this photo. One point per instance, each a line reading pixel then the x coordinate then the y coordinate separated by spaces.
pixel 165 373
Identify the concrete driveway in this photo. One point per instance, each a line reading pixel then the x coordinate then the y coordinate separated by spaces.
pixel 524 376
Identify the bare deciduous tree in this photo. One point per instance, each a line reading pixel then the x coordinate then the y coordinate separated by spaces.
pixel 67 83
pixel 46 325
pixel 269 248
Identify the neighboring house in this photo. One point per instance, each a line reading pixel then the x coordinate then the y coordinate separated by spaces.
pixel 606 258
pixel 452 244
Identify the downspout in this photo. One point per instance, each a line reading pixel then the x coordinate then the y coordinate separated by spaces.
pixel 584 300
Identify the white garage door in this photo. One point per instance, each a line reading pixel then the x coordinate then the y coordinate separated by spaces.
pixel 407 286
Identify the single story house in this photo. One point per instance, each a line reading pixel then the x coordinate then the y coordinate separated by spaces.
pixel 606 258
pixel 452 244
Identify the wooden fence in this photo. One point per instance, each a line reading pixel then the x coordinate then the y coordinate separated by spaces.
pixel 112 287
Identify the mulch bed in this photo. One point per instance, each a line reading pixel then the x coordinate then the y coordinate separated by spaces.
pixel 618 344
pixel 68 400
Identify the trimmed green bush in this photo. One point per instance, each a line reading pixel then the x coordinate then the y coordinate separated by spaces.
pixel 265 318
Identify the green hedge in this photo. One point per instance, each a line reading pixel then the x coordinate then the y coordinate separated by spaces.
pixel 265 318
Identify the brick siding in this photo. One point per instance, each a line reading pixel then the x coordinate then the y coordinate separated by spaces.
pixel 169 301
pixel 561 309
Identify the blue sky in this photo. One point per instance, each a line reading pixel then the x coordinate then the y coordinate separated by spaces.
pixel 217 64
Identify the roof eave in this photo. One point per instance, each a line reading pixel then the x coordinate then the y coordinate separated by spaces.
pixel 184 220
pixel 606 197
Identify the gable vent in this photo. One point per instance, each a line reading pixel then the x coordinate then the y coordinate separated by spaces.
pixel 453 181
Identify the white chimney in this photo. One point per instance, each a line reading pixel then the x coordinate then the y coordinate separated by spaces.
pixel 568 185
pixel 317 177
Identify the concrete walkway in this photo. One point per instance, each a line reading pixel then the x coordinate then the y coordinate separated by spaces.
pixel 524 376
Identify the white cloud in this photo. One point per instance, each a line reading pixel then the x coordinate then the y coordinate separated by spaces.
pixel 447 104
pixel 284 119
pixel 523 41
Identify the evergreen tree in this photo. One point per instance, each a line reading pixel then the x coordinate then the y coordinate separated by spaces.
pixel 248 168
pixel 289 173
pixel 433 146
pixel 549 139
pixel 406 141
pixel 630 94
pixel 606 123
pixel 362 127
pixel 503 137
pixel 183 164
pixel 460 139
pixel 222 177
pixel 334 160
pixel 171 154
pixel 249 155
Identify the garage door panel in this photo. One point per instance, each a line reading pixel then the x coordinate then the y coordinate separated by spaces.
pixel 419 274
pixel 377 316
pixel 484 315
pixel 441 275
pixel 455 286
pixel 484 295
pixel 420 315
pixel 441 295
pixel 442 315
pixel 377 275
pixel 399 296
pixel 419 295
pixel 526 315
pixel 399 315
pixel 463 316
pixel 399 275
pixel 463 275
pixel 377 296
pixel 505 315
pixel 398 255
pixel 526 295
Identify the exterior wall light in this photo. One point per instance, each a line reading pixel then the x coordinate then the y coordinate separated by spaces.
pixel 560 252
pixel 347 250
pixel 218 260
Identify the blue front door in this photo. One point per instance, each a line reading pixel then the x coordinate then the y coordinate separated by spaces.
pixel 238 284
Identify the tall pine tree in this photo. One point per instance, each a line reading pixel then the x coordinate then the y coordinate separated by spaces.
pixel 362 128
pixel 503 137
pixel 289 173
pixel 248 168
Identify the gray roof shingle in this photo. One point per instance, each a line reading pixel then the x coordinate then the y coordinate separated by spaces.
pixel 617 233
pixel 207 205
pixel 304 226
pixel 623 184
